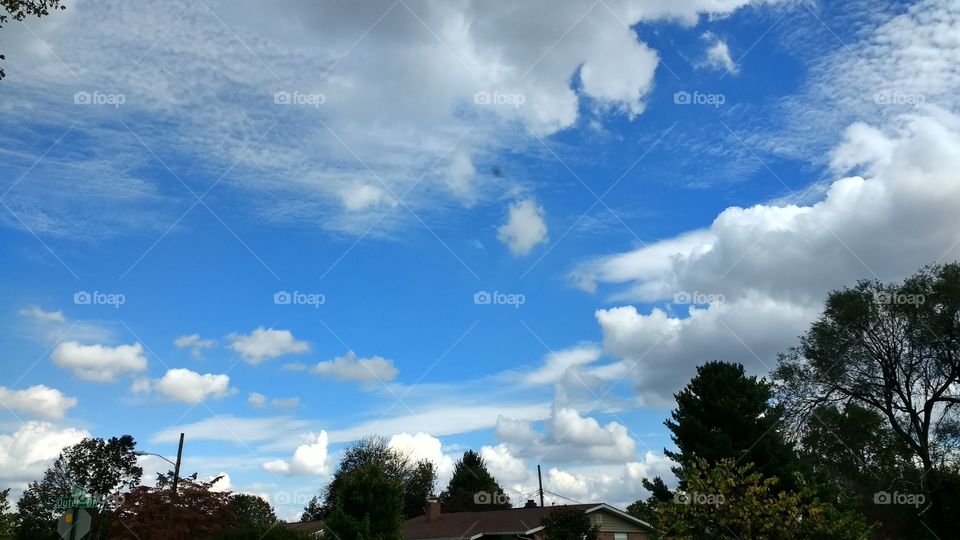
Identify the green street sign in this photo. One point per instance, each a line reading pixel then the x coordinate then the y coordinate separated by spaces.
pixel 79 498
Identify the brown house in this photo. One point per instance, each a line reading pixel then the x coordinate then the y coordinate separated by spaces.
pixel 518 524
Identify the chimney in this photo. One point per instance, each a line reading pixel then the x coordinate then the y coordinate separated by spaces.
pixel 432 510
pixel 530 504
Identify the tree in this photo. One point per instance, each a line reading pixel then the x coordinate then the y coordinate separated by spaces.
pixel 7 520
pixel 21 9
pixel 893 349
pixel 313 510
pixel 152 513
pixel 419 485
pixel 472 487
pixel 369 506
pixel 252 512
pixel 646 510
pixel 727 501
pixel 565 523
pixel 722 414
pixel 368 451
pixel 103 467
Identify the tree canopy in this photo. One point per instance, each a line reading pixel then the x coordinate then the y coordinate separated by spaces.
pixel 472 487
pixel 565 523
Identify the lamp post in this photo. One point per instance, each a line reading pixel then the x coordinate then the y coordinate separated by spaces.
pixel 176 466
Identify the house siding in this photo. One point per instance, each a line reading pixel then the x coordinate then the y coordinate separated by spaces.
pixel 611 523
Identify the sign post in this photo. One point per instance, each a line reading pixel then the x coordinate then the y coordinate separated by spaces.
pixel 75 523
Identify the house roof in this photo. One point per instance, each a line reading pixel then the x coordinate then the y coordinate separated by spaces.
pixel 472 525
pixel 305 526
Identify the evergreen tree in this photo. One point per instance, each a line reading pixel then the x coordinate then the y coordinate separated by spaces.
pixel 473 488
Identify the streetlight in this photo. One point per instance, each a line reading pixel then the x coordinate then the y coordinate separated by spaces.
pixel 176 466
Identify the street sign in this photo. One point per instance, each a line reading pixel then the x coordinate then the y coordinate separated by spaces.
pixel 79 498
pixel 79 520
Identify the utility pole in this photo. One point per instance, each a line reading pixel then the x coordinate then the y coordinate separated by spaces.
pixel 540 480
pixel 176 468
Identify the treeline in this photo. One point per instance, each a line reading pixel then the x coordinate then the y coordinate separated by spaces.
pixel 855 435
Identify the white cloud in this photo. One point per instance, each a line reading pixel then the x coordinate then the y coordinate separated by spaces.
pixel 515 430
pixel 310 458
pixel 191 387
pixel 257 399
pixel 27 452
pixel 350 368
pixel 503 465
pixel 194 343
pixel 557 363
pixel 718 54
pixel 263 344
pixel 223 484
pixel 39 314
pixel 524 228
pixel 568 437
pixel 100 363
pixel 424 446
pixel 234 429
pixel 38 400
pixel 470 46
pixel 773 264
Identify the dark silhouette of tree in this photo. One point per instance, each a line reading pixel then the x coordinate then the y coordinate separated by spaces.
pixel 313 510
pixel 419 485
pixel 893 349
pixel 646 510
pixel 7 520
pixel 21 9
pixel 723 414
pixel 368 451
pixel 252 512
pixel 472 487
pixel 565 523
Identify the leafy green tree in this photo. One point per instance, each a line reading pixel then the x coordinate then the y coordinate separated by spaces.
pixel 893 349
pixel 418 486
pixel 472 487
pixel 21 9
pixel 722 413
pixel 730 501
pixel 369 506
pixel 103 467
pixel 368 451
pixel 565 523
pixel 252 512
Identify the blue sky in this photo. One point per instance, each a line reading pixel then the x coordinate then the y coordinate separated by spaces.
pixel 752 157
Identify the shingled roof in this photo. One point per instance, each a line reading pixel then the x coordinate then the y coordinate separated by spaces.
pixel 466 525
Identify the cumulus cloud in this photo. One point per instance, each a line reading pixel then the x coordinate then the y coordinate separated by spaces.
pixel 264 344
pixel 191 387
pixel 768 268
pixel 424 446
pixel 350 368
pixel 100 363
pixel 557 363
pixel 503 465
pixel 524 228
pixel 194 343
pixel 27 452
pixel 718 54
pixel 568 437
pixel 39 400
pixel 310 458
